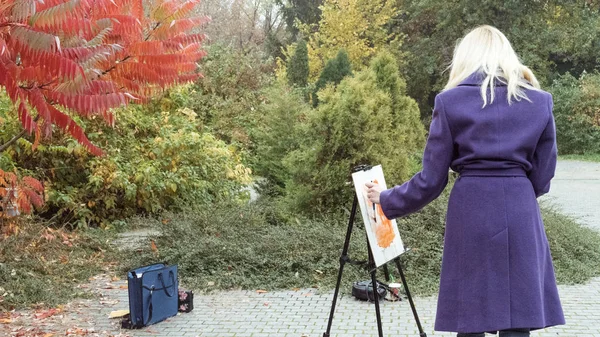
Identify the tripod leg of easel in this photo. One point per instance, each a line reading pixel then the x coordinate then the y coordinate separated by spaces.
pixel 375 287
pixel 410 300
pixel 386 272
pixel 343 259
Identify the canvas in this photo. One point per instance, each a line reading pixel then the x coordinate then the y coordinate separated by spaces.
pixel 384 238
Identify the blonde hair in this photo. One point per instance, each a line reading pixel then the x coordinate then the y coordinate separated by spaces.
pixel 487 51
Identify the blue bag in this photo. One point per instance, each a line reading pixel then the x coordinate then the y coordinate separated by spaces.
pixel 153 294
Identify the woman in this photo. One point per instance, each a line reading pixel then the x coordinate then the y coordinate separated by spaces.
pixel 494 126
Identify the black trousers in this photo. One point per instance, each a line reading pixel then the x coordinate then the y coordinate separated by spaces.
pixel 503 333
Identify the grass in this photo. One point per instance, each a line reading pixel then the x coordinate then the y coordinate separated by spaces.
pixel 41 267
pixel 248 247
pixel 582 157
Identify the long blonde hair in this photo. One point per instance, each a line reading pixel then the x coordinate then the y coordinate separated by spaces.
pixel 487 51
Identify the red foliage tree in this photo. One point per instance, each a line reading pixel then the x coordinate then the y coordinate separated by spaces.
pixel 59 58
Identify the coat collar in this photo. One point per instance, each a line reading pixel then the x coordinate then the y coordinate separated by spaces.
pixel 476 78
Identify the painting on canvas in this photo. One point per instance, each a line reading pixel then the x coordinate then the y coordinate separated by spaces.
pixel 384 238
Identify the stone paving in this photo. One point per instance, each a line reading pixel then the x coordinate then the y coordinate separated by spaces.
pixel 304 313
pixel 576 191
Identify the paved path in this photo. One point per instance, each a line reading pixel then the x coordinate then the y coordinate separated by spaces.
pixel 576 191
pixel 304 313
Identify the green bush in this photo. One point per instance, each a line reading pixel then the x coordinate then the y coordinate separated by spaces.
pixel 576 110
pixel 234 249
pixel 158 157
pixel 217 248
pixel 334 72
pixel 365 120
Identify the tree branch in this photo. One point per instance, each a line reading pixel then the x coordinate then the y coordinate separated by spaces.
pixel 12 140
pixel 6 145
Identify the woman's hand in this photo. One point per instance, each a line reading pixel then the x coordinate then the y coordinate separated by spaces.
pixel 373 192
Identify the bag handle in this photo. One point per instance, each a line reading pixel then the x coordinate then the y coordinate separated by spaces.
pixel 162 281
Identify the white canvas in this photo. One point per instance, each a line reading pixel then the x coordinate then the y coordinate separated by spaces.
pixel 383 234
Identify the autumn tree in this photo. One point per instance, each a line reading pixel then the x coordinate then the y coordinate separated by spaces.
pixel 361 31
pixel 84 57
pixel 65 58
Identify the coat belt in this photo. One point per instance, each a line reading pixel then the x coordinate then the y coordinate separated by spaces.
pixel 508 172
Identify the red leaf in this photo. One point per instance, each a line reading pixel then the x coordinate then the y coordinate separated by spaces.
pixel 34 198
pixel 35 184
pixel 25 118
pixel 68 125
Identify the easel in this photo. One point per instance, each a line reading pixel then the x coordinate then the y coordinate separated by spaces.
pixel 372 270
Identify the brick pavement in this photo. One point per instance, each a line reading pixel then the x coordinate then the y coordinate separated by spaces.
pixel 304 313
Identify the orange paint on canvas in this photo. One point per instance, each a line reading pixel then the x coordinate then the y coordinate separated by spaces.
pixel 384 230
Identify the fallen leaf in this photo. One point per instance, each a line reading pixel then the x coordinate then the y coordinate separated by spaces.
pixel 46 313
pixel 123 287
pixel 210 283
pixel 295 289
pixel 260 291
pixel 115 278
pixel 266 304
pixel 48 335
pixel 118 313
pixel 77 331
pixel 5 321
pixel 153 246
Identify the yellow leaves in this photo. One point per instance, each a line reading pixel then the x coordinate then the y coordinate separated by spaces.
pixel 360 31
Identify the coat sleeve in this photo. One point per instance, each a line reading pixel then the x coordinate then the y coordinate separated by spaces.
pixel 428 184
pixel 544 157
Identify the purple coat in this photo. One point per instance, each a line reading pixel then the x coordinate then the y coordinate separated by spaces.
pixel 497 270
